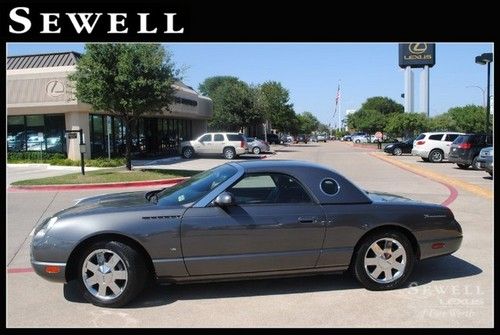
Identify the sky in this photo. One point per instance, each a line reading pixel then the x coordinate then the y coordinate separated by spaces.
pixel 312 71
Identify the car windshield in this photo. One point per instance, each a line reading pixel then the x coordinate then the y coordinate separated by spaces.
pixel 196 187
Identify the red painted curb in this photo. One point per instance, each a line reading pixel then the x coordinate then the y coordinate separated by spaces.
pixel 20 270
pixel 453 191
pixel 70 187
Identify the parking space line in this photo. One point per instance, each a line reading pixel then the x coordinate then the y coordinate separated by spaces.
pixel 19 270
pixel 443 179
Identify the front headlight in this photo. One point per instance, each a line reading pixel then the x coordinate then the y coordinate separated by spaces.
pixel 46 227
pixel 389 146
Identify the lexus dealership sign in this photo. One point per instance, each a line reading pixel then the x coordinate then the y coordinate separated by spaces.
pixel 417 54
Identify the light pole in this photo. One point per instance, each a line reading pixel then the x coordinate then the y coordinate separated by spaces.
pixel 486 59
pixel 482 90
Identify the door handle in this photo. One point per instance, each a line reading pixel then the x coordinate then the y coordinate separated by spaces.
pixel 306 219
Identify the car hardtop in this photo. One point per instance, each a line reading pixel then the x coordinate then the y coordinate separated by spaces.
pixel 441 132
pixel 311 175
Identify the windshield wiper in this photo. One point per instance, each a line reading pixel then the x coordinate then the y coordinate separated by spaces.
pixel 150 194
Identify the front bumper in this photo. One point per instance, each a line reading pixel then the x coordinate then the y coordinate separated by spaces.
pixel 41 270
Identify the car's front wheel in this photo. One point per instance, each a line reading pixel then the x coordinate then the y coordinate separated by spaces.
pixel 463 166
pixel 111 274
pixel 397 152
pixel 256 150
pixel 436 156
pixel 475 164
pixel 187 152
pixel 384 261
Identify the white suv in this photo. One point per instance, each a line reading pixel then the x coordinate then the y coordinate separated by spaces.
pixel 228 144
pixel 434 147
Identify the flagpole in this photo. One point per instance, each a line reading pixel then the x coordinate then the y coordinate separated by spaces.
pixel 339 95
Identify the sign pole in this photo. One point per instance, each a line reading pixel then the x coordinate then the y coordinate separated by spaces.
pixel 81 153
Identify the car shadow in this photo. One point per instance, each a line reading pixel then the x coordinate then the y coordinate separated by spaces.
pixel 488 177
pixel 158 295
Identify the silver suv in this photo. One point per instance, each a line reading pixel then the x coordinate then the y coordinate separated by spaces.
pixel 434 147
pixel 230 145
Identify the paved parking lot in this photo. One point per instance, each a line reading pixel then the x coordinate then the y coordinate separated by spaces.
pixel 453 291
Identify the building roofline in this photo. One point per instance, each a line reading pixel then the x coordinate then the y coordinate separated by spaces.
pixel 77 54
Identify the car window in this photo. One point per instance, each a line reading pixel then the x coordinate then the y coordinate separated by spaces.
pixel 196 187
pixel 269 188
pixel 436 137
pixel 218 138
pixel 234 137
pixel 419 137
pixel 206 138
pixel 459 139
pixel 451 137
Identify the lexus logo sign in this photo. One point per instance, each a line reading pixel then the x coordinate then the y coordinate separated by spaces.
pixel 55 88
pixel 417 54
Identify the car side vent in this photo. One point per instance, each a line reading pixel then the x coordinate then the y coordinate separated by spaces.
pixel 161 217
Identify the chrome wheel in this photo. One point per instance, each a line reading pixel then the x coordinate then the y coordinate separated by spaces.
pixel 397 152
pixel 256 150
pixel 104 274
pixel 385 260
pixel 436 156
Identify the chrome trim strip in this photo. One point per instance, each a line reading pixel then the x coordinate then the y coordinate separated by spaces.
pixel 48 264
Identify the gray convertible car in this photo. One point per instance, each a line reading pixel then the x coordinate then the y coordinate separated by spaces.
pixel 240 221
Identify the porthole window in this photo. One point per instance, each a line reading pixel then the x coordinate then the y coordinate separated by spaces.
pixel 329 186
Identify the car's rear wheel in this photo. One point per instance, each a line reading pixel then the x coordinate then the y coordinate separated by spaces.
pixel 436 156
pixel 111 274
pixel 357 141
pixel 397 151
pixel 256 150
pixel 187 152
pixel 475 164
pixel 384 260
pixel 229 153
pixel 463 166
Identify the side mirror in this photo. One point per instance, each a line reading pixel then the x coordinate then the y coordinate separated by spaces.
pixel 224 199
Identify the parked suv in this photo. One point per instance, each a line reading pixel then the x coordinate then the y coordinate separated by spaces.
pixel 464 150
pixel 486 159
pixel 273 139
pixel 228 144
pixel 435 146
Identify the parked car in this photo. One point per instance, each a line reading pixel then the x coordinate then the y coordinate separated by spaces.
pixel 302 138
pixel 273 139
pixel 240 221
pixel 230 145
pixel 322 137
pixel 434 147
pixel 464 150
pixel 313 138
pixel 486 159
pixel 256 145
pixel 360 138
pixel 346 138
pixel 399 148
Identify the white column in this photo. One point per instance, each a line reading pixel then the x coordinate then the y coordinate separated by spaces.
pixel 409 106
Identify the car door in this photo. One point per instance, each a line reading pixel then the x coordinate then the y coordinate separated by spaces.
pixel 273 225
pixel 202 146
pixel 217 144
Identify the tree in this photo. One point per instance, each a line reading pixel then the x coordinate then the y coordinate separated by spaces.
pixel 275 106
pixel 307 122
pixel 368 120
pixel 233 101
pixel 468 119
pixel 127 80
pixel 443 122
pixel 406 124
pixel 384 105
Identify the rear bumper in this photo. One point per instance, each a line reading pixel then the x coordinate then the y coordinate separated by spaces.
pixel 419 152
pixel 431 248
pixel 459 160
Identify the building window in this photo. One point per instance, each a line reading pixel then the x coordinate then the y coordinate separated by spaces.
pixel 36 133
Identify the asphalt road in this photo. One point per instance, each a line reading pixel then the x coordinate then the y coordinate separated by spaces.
pixel 452 291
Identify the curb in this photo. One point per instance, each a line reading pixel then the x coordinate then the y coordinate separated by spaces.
pixel 73 187
pixel 444 180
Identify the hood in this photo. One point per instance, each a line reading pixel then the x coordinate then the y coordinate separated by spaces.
pixel 114 202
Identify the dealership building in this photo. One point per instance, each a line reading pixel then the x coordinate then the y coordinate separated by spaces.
pixel 41 108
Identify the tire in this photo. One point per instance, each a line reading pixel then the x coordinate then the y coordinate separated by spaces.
pixel 130 267
pixel 463 166
pixel 388 277
pixel 357 141
pixel 229 153
pixel 475 164
pixel 397 151
pixel 187 152
pixel 436 156
pixel 256 150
